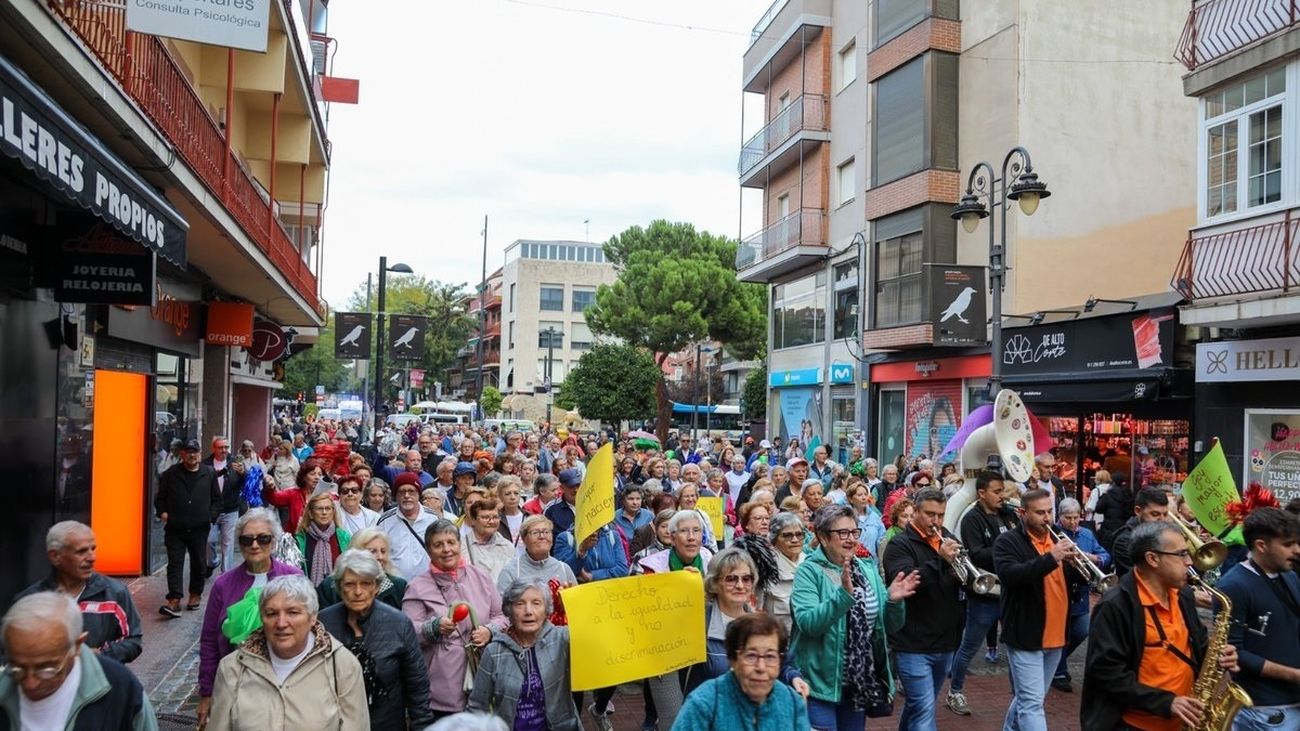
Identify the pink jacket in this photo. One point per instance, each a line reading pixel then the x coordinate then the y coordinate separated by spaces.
pixel 430 595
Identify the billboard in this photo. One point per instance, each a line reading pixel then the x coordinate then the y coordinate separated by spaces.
pixel 957 295
pixel 352 335
pixel 241 24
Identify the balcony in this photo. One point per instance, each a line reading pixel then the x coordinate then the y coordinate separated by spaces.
pixel 779 36
pixel 1218 28
pixel 787 245
pixel 799 127
pixel 146 71
pixel 1242 277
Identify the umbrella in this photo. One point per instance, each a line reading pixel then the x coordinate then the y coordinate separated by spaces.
pixel 642 434
pixel 984 415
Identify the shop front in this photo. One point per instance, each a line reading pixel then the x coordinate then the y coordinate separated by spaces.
pixel 815 406
pixel 256 372
pixel 920 402
pixel 1107 386
pixel 79 229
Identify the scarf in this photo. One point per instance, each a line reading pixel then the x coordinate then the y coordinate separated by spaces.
pixel 863 687
pixel 375 689
pixel 322 562
pixel 675 564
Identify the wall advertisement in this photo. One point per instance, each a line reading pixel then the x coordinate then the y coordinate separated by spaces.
pixel 933 414
pixel 1272 448
pixel 799 415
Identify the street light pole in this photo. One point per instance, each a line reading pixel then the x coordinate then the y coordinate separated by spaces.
pixel 1028 190
pixel 381 342
pixel 695 397
pixel 550 384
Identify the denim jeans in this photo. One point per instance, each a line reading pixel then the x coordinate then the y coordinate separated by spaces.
pixel 981 616
pixel 1031 672
pixel 921 675
pixel 1258 718
pixel 221 543
pixel 1075 634
pixel 827 716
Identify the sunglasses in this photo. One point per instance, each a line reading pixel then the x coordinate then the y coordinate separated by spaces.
pixel 262 539
pixel 733 579
pixel 350 491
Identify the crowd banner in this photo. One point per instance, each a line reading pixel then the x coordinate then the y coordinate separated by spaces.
pixel 712 507
pixel 595 501
pixel 621 630
pixel 1209 488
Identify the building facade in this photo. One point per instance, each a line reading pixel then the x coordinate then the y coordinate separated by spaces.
pixel 463 376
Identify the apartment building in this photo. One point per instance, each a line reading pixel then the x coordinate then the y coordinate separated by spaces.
pixel 873 116
pixel 1240 264
pixel 546 285
pixel 463 376
pixel 161 219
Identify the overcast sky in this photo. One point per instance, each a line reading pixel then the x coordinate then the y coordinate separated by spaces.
pixel 540 114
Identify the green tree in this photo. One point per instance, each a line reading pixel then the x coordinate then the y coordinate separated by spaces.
pixel 565 398
pixel 753 397
pixel 677 286
pixel 613 382
pixel 490 400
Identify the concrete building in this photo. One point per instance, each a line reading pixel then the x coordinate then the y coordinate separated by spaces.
pixel 162 247
pixel 462 377
pixel 872 117
pixel 546 287
pixel 1241 261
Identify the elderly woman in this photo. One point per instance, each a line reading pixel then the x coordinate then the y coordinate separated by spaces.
pixel 887 484
pixel 383 641
pixel 672 479
pixel 293 651
pixel 755 646
pixel 869 519
pixel 842 612
pixel 294 500
pixel 392 587
pixel 284 467
pixel 484 546
pixel 377 497
pixel 687 498
pixel 787 538
pixel 901 516
pixel 661 539
pixel 756 519
pixel 257 532
pixel 353 516
pixel 509 493
pixel 445 635
pixel 524 674
pixel 535 563
pixel 320 539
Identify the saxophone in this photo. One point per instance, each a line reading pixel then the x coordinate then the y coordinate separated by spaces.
pixel 1220 706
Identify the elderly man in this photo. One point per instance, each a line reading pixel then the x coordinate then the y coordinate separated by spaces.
pixel 562 512
pixel 111 623
pixel 188 503
pixel 52 679
pixel 405 526
pixel 412 461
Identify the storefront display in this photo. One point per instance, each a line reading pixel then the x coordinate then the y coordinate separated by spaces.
pixel 1145 451
pixel 920 403
pixel 1273 451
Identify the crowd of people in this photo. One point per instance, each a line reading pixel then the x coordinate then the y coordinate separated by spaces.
pixel 416 583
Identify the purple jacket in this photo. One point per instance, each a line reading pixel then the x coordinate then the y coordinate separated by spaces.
pixel 229 588
pixel 429 596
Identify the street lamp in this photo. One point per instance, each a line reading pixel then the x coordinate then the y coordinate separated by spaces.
pixel 1028 191
pixel 551 334
pixel 381 342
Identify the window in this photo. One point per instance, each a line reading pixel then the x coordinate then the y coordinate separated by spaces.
pixel 899 253
pixel 783 102
pixel 510 373
pixel 580 336
pixel 900 122
pixel 552 299
pixel 583 298
pixel 799 312
pixel 1242 133
pixel 891 423
pixel 848 64
pixel 557 371
pixel 511 303
pixel 847 182
pixel 511 329
pixel 542 337
pixel 895 16
pixel 782 206
pixel 846 300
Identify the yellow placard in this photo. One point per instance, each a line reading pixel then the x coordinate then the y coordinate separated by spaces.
pixel 594 505
pixel 621 630
pixel 712 507
pixel 1209 488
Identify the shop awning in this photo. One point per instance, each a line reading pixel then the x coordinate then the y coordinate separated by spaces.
pixel 77 167
pixel 1134 384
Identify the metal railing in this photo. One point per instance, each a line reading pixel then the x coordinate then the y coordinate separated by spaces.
pixel 1216 28
pixel 1261 258
pixel 804 227
pixel 807 112
pixel 148 74
pixel 772 11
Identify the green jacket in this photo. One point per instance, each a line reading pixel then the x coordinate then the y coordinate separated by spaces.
pixel 108 695
pixel 345 540
pixel 820 608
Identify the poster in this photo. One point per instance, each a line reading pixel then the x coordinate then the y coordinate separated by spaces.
pixel 712 507
pixel 932 416
pixel 1272 450
pixel 799 415
pixel 594 505
pixel 1209 488
pixel 637 627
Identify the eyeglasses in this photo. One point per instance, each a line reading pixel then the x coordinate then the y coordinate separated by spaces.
pixel 491 518
pixel 733 579
pixel 262 539
pixel 1183 554
pixel 43 672
pixel 753 659
pixel 790 536
pixel 846 533
pixel 922 484
pixel 350 491
pixel 541 533
pixel 689 531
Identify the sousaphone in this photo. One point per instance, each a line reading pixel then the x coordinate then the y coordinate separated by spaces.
pixel 1009 439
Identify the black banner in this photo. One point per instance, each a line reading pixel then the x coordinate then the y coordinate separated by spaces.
pixel 1136 340
pixel 957 296
pixel 406 336
pixel 352 335
pixel 95 265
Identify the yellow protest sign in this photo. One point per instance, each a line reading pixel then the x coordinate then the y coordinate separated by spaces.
pixel 712 507
pixel 594 505
pixel 1209 488
pixel 622 630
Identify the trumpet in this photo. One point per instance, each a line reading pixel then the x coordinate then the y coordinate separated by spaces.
pixel 1097 580
pixel 981 582
pixel 1206 555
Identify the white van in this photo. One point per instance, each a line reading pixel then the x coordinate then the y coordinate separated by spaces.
pixel 508 425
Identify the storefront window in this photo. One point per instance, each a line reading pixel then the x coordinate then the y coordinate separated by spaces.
pixel 1146 452
pixel 892 407
pixel 844 426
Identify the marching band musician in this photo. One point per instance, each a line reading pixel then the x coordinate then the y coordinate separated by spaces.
pixel 1147 642
pixel 924 646
pixel 1032 566
pixel 1265 595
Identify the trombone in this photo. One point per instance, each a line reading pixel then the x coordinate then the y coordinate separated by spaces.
pixel 1206 555
pixel 981 582
pixel 1098 581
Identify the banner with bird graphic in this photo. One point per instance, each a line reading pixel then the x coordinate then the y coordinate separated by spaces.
pixel 352 335
pixel 406 336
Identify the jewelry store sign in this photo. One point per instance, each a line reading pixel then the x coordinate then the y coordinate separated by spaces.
pixel 241 24
pixel 1273 359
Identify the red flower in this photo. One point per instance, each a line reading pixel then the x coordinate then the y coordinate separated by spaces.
pixel 459 611
pixel 862 552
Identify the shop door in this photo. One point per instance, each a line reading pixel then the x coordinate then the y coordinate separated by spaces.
pixel 118 464
pixel 892 407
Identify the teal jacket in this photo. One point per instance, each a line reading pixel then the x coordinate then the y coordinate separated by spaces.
pixel 820 607
pixel 720 705
pixel 344 538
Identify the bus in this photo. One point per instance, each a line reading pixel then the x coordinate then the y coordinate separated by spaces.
pixel 717 420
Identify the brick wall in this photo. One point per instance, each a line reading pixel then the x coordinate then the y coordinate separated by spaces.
pixel 933 33
pixel 815 174
pixel 942 186
pixel 815 66
pixel 908 336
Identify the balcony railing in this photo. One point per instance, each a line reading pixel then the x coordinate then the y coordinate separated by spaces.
pixel 1216 28
pixel 808 112
pixel 148 74
pixel 1262 258
pixel 804 227
pixel 772 11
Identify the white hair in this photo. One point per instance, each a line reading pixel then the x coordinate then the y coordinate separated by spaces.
pixel 681 516
pixel 60 533
pixel 295 587
pixel 263 515
pixel 360 562
pixel 36 611
pixel 1068 505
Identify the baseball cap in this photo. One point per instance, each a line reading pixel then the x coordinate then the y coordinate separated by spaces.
pixel 570 477
pixel 464 468
pixel 765 444
pixel 405 478
pixel 192 446
pixel 796 460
